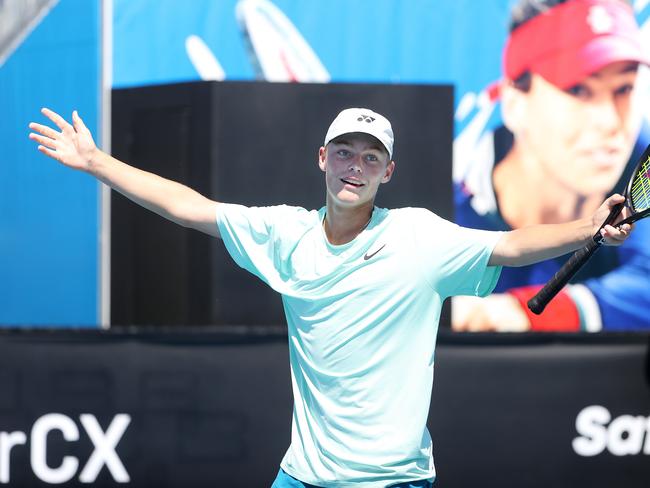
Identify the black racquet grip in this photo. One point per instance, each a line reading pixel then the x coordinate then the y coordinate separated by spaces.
pixel 538 303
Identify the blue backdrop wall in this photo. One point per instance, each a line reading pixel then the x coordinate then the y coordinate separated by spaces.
pixel 49 214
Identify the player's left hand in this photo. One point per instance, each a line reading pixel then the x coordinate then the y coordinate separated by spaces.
pixel 612 235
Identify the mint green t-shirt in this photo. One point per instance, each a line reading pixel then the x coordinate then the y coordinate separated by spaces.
pixel 362 321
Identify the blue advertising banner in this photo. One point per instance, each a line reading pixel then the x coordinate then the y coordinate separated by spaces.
pixel 49 246
pixel 387 41
pixel 49 256
pixel 578 124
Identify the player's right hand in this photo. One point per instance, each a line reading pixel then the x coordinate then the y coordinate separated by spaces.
pixel 73 146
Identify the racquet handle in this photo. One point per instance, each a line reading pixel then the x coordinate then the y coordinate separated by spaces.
pixel 538 303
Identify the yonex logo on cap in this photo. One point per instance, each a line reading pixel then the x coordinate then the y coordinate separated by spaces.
pixel 366 118
pixel 362 120
pixel 600 20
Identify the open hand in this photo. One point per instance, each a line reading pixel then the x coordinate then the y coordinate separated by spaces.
pixel 73 146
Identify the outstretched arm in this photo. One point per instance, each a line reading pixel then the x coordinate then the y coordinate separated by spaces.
pixel 74 147
pixel 529 245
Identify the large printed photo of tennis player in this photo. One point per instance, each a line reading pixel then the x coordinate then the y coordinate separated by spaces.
pixel 572 125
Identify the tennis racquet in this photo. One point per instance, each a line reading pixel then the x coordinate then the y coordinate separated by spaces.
pixel 637 199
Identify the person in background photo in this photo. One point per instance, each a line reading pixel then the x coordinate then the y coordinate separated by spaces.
pixel 572 131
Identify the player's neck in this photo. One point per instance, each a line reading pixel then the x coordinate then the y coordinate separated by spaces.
pixel 531 202
pixel 344 224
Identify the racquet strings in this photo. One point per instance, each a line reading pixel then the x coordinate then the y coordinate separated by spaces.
pixel 640 191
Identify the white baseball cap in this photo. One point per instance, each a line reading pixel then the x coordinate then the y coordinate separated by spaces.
pixel 362 120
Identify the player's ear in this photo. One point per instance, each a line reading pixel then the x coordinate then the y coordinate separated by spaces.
pixel 322 158
pixel 513 107
pixel 390 168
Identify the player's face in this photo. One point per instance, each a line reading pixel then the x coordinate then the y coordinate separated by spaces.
pixel 355 165
pixel 582 137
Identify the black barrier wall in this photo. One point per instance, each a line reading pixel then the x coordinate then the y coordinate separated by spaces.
pixel 253 143
pixel 212 408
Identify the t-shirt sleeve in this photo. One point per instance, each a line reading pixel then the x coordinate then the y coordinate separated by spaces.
pixel 455 259
pixel 255 237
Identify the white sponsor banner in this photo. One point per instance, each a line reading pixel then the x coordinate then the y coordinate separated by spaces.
pixel 104 453
pixel 626 435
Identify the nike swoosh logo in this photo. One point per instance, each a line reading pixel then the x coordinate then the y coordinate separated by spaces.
pixel 368 256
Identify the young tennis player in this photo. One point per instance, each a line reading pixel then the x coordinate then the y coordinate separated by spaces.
pixel 362 288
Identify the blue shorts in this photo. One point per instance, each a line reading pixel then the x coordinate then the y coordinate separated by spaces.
pixel 283 480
